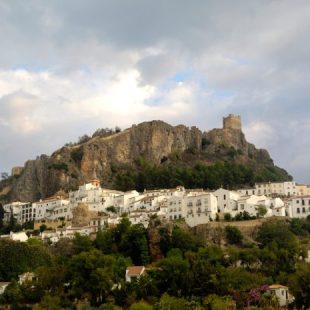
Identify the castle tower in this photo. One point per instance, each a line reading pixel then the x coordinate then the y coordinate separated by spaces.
pixel 232 122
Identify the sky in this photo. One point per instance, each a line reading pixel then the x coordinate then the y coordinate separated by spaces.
pixel 68 67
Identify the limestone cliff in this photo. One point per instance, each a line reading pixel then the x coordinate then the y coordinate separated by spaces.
pixel 153 141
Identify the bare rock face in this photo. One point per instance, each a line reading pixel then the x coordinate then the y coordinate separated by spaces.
pixel 153 141
pixel 16 171
pixel 81 215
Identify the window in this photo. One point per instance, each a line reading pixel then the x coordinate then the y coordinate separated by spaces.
pixel 303 210
pixel 298 210
pixel 224 197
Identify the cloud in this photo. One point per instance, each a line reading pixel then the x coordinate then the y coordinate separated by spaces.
pixel 67 68
pixel 17 112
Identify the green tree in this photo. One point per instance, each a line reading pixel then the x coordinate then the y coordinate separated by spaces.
pixel 109 307
pixel 91 273
pixel 22 257
pixel 171 303
pixel 135 245
pixel 261 211
pixel 249 258
pixel 300 227
pixel 49 302
pixel 233 235
pixel 105 241
pixel 141 305
pixel 42 227
pixel 216 302
pixel 81 243
pixel 280 248
pixel 279 233
pixel 28 225
pixel 300 285
pixel 13 294
pixel 206 271
pixel 184 240
pixel 227 217
pixel 173 275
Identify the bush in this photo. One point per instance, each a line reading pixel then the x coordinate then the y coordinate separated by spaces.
pixel 42 227
pixel 261 211
pixel 59 166
pixel 227 217
pixel 84 139
pixel 111 209
pixel 233 235
pixel 204 143
pixel 243 216
pixel 77 154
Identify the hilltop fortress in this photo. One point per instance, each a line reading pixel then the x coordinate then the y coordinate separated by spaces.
pixel 232 122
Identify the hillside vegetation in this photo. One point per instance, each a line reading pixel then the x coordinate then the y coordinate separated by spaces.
pixel 184 270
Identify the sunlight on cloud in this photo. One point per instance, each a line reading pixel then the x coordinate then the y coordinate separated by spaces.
pixel 31 100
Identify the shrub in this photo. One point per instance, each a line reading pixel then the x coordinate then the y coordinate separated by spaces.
pixel 77 154
pixel 233 235
pixel 204 143
pixel 59 166
pixel 227 217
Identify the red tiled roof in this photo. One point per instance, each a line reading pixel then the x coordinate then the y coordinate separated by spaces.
pixel 134 270
pixel 275 286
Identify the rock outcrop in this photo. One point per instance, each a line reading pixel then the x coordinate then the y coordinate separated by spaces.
pixel 153 141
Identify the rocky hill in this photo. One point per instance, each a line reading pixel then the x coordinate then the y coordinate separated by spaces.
pixel 137 152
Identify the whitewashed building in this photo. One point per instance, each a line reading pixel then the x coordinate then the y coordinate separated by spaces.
pixel 227 201
pixel 52 208
pixel 282 294
pixel 199 208
pixel 251 204
pixel 147 202
pixel 97 198
pixel 21 211
pixel 276 188
pixel 175 207
pixel 247 191
pixel 299 206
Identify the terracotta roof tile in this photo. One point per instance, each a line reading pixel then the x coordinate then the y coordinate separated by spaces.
pixel 135 270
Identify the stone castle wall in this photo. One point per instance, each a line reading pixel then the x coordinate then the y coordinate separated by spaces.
pixel 232 122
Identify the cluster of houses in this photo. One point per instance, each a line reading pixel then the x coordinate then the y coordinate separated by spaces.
pixel 195 206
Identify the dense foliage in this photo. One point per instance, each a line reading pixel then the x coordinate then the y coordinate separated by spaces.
pixel 186 273
pixel 200 175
